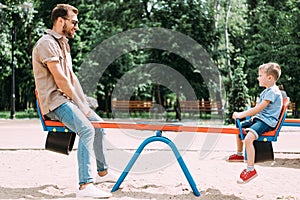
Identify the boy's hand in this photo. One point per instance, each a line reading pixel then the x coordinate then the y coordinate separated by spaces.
pixel 236 115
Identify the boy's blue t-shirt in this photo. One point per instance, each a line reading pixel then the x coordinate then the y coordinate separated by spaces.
pixel 271 113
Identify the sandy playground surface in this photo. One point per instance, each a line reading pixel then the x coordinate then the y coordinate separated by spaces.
pixel 34 173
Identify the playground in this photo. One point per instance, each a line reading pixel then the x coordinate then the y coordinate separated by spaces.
pixel 167 78
pixel 31 172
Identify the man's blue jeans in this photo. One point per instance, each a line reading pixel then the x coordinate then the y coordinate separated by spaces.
pixel 90 138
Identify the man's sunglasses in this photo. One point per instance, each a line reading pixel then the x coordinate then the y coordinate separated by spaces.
pixel 74 22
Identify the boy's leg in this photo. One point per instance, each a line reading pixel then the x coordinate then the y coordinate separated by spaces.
pixel 250 137
pixel 238 157
pixel 257 128
pixel 249 173
pixel 239 144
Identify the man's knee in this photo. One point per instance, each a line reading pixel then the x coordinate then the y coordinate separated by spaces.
pixel 85 130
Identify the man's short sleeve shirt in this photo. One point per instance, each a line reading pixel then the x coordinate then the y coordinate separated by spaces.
pixel 51 47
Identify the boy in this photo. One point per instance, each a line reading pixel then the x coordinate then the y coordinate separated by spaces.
pixel 265 117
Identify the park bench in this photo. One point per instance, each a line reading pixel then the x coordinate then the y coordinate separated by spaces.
pixel 130 106
pixel 211 106
pixel 292 110
pixel 189 106
pixel 201 106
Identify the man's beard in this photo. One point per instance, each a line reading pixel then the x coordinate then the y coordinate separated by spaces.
pixel 67 31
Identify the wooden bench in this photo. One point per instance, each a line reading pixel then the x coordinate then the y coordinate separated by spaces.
pixel 189 106
pixel 201 106
pixel 292 109
pixel 130 106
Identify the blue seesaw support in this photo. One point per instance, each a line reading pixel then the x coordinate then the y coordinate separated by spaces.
pixel 160 138
pixel 58 132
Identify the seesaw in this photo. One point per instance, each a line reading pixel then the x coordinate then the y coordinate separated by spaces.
pixel 291 122
pixel 263 145
pixel 61 139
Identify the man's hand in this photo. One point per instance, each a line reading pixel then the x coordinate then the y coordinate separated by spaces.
pixel 65 85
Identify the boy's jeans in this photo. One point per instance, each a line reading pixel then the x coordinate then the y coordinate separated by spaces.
pixel 90 138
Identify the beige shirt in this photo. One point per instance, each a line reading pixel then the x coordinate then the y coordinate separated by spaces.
pixel 49 48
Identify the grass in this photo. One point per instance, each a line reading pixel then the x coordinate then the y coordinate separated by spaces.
pixel 170 116
pixel 28 113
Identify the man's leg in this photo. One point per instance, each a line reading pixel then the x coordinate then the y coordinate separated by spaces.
pixel 98 144
pixel 70 115
pixel 102 167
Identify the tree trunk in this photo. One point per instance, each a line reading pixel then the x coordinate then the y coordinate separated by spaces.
pixel 228 7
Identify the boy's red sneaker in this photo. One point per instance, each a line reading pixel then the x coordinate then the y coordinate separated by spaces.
pixel 247 176
pixel 235 158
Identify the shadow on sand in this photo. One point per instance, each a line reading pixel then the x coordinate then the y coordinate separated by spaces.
pixel 209 194
pixel 283 162
pixel 54 192
pixel 41 192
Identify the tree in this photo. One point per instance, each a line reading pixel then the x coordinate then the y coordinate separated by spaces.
pixel 238 93
pixel 273 36
pixel 255 30
pixel 228 50
pixel 16 24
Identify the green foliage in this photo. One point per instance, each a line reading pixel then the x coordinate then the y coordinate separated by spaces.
pixel 20 20
pixel 258 31
pixel 238 92
pixel 273 36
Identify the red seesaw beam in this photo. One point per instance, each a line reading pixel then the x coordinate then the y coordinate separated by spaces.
pixel 291 120
pixel 165 127
pixel 154 127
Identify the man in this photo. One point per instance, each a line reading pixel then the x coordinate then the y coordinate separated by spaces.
pixel 62 98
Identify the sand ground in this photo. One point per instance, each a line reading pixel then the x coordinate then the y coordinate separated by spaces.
pixel 27 171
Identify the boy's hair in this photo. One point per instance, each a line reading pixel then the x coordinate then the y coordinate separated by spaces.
pixel 272 69
pixel 61 10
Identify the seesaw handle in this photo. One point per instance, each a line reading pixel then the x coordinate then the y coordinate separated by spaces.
pixel 238 124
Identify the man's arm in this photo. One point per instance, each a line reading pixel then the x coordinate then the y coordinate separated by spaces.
pixel 65 85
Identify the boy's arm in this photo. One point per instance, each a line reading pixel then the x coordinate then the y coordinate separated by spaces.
pixel 251 112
